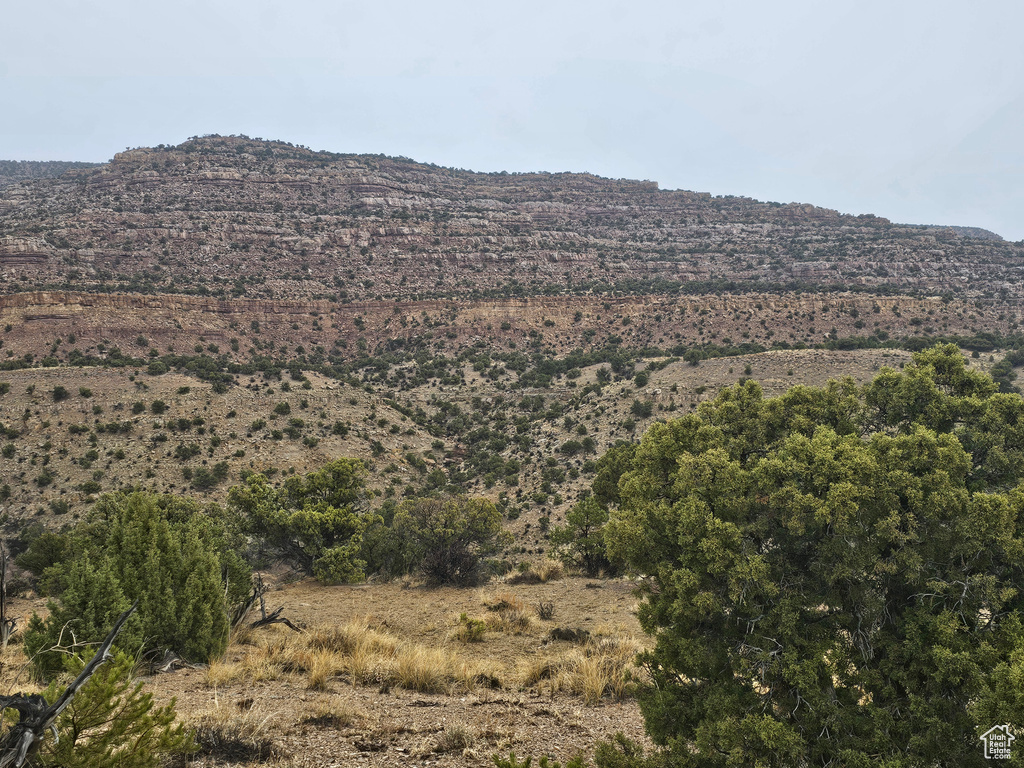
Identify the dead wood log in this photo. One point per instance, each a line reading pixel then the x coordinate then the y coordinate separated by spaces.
pixel 273 618
pixel 36 717
pixel 241 611
pixel 172 662
pixel 7 625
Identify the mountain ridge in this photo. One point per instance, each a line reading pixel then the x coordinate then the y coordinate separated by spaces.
pixel 229 216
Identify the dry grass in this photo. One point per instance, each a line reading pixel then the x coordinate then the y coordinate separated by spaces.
pixel 601 667
pixel 445 661
pixel 369 655
pixel 221 673
pixel 328 714
pixel 508 613
pixel 268 659
pixel 427 670
pixel 15 674
pixel 232 734
pixel 369 666
pixel 550 570
pixel 321 666
pixel 244 635
pixel 365 654
pixel 456 737
pixel 356 636
pixel 341 684
pixel 539 573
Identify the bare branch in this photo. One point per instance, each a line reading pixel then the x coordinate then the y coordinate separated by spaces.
pixel 36 717
pixel 274 618
pixel 7 626
pixel 259 591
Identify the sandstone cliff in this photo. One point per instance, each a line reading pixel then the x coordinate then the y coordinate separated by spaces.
pixel 234 217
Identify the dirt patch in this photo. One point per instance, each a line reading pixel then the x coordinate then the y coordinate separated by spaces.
pixel 347 722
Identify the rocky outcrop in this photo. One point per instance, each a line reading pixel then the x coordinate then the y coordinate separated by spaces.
pixel 234 217
pixel 200 244
pixel 23 251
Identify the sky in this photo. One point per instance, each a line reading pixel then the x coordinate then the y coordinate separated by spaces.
pixel 906 109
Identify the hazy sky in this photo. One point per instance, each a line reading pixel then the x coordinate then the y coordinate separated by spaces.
pixel 909 110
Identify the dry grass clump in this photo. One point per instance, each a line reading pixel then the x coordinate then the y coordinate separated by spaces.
pixel 321 665
pixel 454 738
pixel 220 673
pixel 427 670
pixel 368 665
pixel 508 613
pixel 367 655
pixel 269 658
pixel 601 667
pixel 364 653
pixel 243 634
pixel 539 573
pixel 550 570
pixel 358 635
pixel 230 735
pixel 437 670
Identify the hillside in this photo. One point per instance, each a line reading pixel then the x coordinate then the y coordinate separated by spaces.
pixel 12 171
pixel 308 252
pixel 183 316
pixel 482 333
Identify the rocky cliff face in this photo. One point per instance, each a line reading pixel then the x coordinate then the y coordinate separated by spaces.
pixel 233 217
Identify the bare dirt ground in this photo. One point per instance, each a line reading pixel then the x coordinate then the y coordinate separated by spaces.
pixel 501 694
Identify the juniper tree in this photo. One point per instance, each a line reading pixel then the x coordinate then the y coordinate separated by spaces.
pixel 315 521
pixel 580 542
pixel 169 554
pixel 447 538
pixel 112 723
pixel 834 574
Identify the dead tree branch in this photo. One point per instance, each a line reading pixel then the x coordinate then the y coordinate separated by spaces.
pixel 241 611
pixel 273 618
pixel 36 717
pixel 7 626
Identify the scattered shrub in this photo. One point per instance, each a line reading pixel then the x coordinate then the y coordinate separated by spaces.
pixel 449 537
pixel 315 521
pixel 470 630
